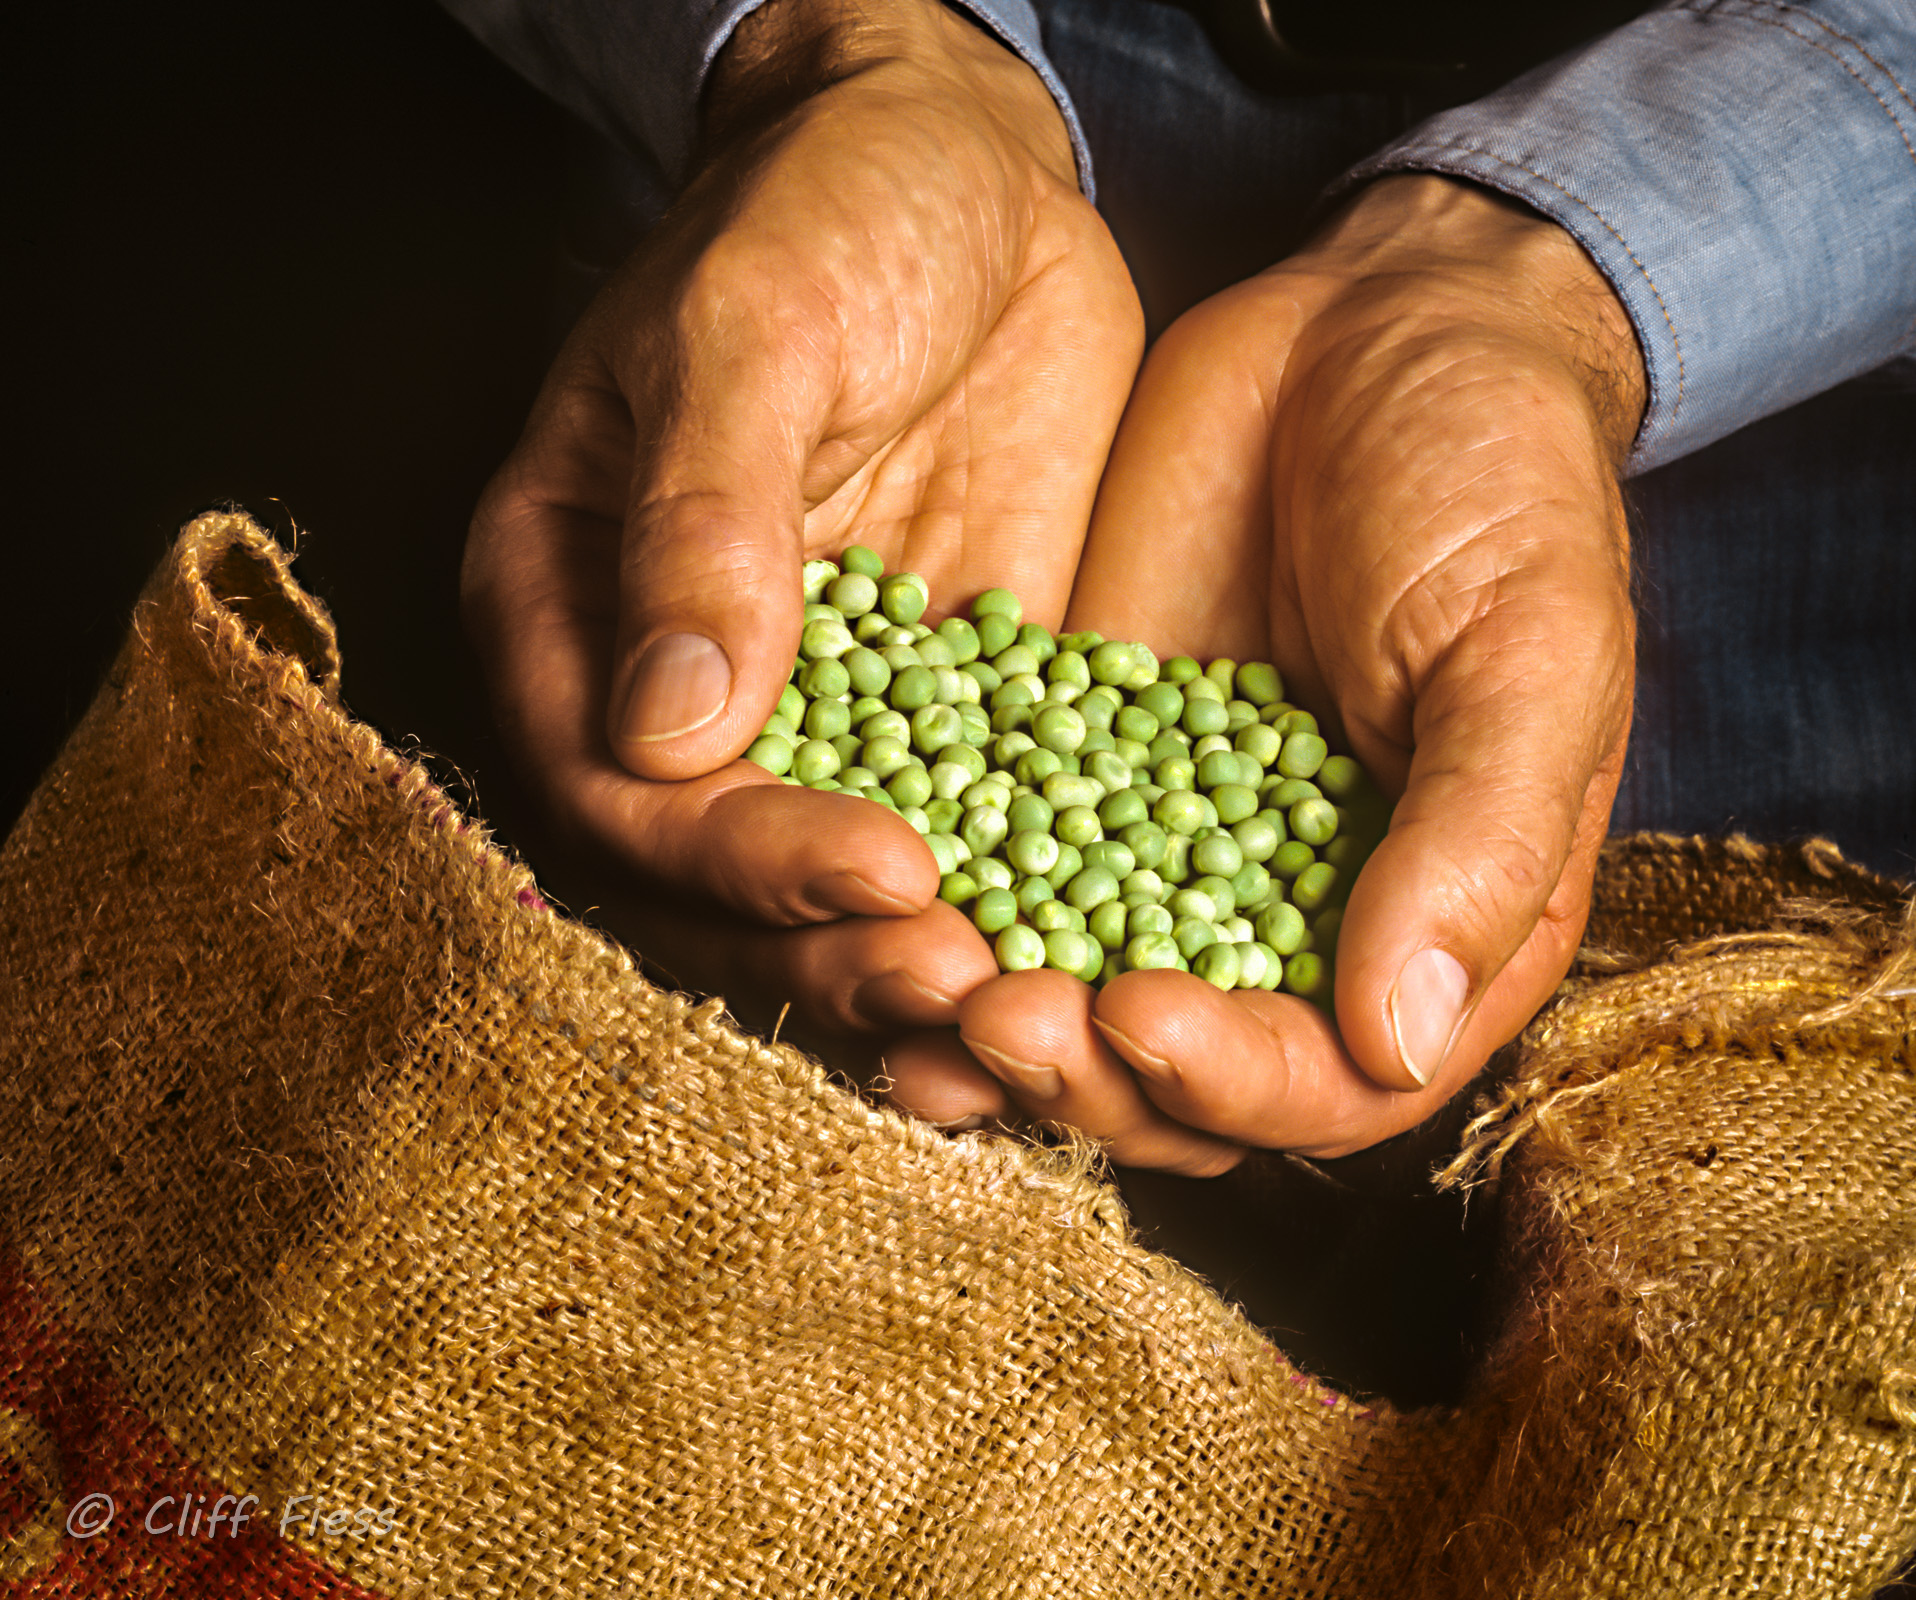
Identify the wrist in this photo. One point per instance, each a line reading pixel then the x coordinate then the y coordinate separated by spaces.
pixel 1470 252
pixel 788 52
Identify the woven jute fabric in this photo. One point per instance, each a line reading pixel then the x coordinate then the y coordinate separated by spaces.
pixel 370 1228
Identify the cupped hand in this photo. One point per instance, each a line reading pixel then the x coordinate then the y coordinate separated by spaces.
pixel 1389 465
pixel 881 314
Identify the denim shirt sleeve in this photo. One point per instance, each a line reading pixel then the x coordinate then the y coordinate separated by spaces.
pixel 635 69
pixel 1743 172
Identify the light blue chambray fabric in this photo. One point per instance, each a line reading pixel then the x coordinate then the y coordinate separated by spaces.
pixel 1743 171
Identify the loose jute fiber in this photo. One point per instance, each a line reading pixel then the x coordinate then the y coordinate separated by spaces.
pixel 371 1229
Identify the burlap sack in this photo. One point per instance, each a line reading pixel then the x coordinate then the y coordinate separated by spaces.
pixel 372 1229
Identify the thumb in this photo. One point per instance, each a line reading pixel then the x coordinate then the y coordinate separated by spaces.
pixel 709 605
pixel 1468 914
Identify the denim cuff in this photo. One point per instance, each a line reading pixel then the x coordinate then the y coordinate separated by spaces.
pixel 1744 174
pixel 635 69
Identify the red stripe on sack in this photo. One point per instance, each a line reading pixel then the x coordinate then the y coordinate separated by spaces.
pixel 96 1501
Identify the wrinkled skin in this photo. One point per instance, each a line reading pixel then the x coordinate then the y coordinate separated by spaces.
pixel 883 314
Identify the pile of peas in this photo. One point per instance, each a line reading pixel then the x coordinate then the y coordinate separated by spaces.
pixel 1092 810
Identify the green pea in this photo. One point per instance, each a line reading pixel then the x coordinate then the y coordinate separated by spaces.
pixel 1204 716
pixel 1091 887
pixel 1070 864
pixel 1067 666
pixel 1223 672
pixel 934 727
pixel 902 597
pixel 791 704
pixel 1121 808
pixel 998 603
pixel 909 786
pixel 1301 756
pixel 1163 702
pixel 946 685
pixel 1202 688
pixel 1291 858
pixel 1008 747
pixel 949 780
pixel 995 635
pixel 1146 841
pixel 1142 881
pixel 1177 773
pixel 884 756
pixel 1259 683
pixel 1325 929
pixel 816 759
pixel 1219 965
pixel 1031 893
pixel 959 888
pixel 1033 853
pixel 1313 887
pixel 847 746
pixel 1114 855
pixel 1030 813
pixel 1034 766
pixel 989 791
pixel 862 559
pixel 1218 854
pixel 935 651
pixel 1067 951
pixel 1180 811
pixel 1037 639
pixel 827 719
pixel 943 851
pixel 1144 668
pixel 1017 661
pixel 1280 794
pixel 1259 742
pixel 1314 821
pixel 914 687
pixel 962 637
pixel 944 815
pixel 1180 670
pixel 1255 836
pixel 815 577
pixel 1219 892
pixel 824 679
pixel 1019 949
pixel 1144 919
pixel 1239 715
pixel 866 671
pixel 983 829
pixel 992 873
pixel 1340 777
pixel 1151 951
pixel 1235 803
pixel 1109 924
pixel 1148 791
pixel 1065 791
pixel 1111 662
pixel 1282 928
pixel 1176 865
pixel 1058 728
pixel 1213 744
pixel 1193 903
pixel 1050 915
pixel 915 815
pixel 1217 767
pixel 1078 825
pixel 1107 769
pixel 891 636
pixel 777 724
pixel 985 676
pixel 884 724
pixel 1251 884
pixel 974 727
pixel 1254 960
pixel 772 752
pixel 853 594
pixel 1304 976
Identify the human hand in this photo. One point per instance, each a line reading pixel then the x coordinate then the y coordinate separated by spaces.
pixel 1388 465
pixel 882 314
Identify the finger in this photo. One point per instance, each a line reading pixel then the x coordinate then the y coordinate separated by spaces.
pixel 709 601
pixel 1033 1032
pixel 1192 452
pixel 933 1077
pixel 1257 1069
pixel 1469 911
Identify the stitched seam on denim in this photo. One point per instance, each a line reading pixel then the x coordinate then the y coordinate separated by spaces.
pixel 1869 88
pixel 1835 33
pixel 1676 344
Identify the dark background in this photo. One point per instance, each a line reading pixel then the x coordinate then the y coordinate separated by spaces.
pixel 300 257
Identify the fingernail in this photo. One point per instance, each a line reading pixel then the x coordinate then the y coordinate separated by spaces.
pixel 968 1124
pixel 1425 1008
pixel 856 895
pixel 892 998
pixel 1133 1052
pixel 1041 1083
pixel 679 683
